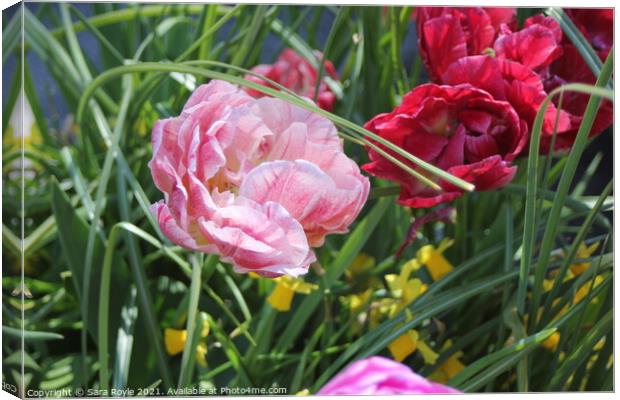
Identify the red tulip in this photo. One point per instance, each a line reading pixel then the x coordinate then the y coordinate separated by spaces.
pixel 597 27
pixel 446 34
pixel 460 129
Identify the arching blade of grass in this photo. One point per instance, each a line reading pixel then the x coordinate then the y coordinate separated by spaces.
pixel 564 184
pixel 576 37
pixel 128 14
pixel 172 67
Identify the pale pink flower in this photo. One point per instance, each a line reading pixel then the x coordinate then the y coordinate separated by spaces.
pixel 380 376
pixel 257 181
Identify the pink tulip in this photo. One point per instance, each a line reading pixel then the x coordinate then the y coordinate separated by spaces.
pixel 257 181
pixel 380 376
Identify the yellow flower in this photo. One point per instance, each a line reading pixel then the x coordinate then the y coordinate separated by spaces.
pixel 409 342
pixel 304 392
pixel 433 258
pixel 201 354
pixel 551 343
pixel 403 289
pixel 355 302
pixel 286 287
pixel 449 368
pixel 583 252
pixel 403 346
pixel 174 341
pixel 585 289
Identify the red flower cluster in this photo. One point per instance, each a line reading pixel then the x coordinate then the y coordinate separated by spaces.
pixel 490 80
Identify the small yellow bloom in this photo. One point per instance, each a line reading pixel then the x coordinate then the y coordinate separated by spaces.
pixel 201 354
pixel 585 289
pixel 547 285
pixel 433 258
pixel 583 252
pixel 174 340
pixel 599 345
pixel 282 296
pixel 403 346
pixel 304 392
pixel 402 288
pixel 407 290
pixel 551 343
pixel 449 368
pixel 429 356
pixel 355 302
pixel 409 342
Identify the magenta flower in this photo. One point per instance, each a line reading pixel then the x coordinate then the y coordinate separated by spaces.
pixel 257 181
pixel 380 376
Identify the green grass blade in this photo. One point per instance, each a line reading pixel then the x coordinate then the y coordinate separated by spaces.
pixel 189 351
pixel 579 238
pixel 171 67
pixel 494 358
pixel 124 341
pixel 564 185
pixel 356 240
pixel 577 38
pixel 341 16
pixel 30 336
pixel 581 352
